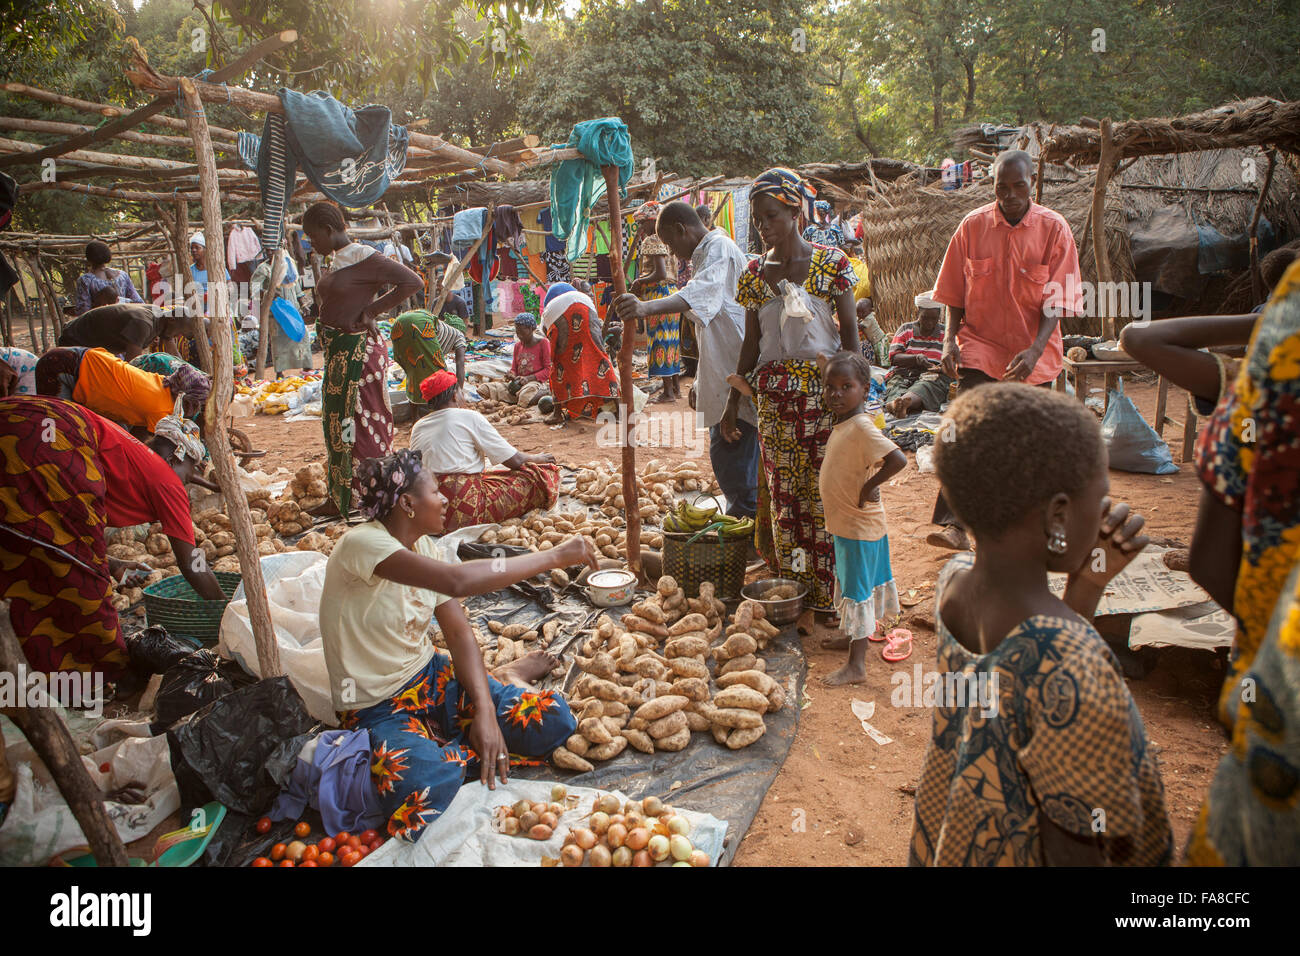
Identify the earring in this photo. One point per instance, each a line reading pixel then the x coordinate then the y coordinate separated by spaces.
pixel 410 512
pixel 1056 542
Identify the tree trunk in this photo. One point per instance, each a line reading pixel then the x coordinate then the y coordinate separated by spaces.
pixel 968 109
pixel 216 414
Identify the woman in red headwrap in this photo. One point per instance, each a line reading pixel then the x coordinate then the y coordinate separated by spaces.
pixel 454 440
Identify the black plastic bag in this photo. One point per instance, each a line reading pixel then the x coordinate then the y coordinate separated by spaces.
pixel 196 680
pixel 154 651
pixel 242 748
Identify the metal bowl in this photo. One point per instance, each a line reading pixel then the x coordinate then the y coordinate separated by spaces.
pixel 611 587
pixel 781 612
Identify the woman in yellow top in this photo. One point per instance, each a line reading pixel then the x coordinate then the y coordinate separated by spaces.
pixel 99 380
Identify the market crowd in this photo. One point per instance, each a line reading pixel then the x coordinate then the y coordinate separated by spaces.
pixel 790 357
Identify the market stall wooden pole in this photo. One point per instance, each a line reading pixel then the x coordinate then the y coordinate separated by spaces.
pixel 1258 292
pixel 103 109
pixel 625 386
pixel 269 292
pixel 216 414
pixel 49 737
pixel 55 312
pixel 130 195
pixel 1105 167
pixel 449 275
pixel 130 136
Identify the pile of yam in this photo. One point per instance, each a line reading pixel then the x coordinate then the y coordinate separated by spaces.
pixel 308 488
pixel 647 681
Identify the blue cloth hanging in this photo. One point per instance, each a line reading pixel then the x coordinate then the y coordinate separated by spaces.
pixel 349 155
pixel 578 184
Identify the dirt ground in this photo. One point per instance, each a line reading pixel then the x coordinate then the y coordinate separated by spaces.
pixel 841 799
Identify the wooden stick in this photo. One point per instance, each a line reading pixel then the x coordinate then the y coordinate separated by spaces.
pixel 264 311
pixel 50 738
pixel 55 312
pixel 129 195
pixel 1105 166
pixel 1258 292
pixel 449 276
pixel 103 109
pixel 230 71
pixel 216 415
pixel 625 385
pixel 30 151
pixel 129 135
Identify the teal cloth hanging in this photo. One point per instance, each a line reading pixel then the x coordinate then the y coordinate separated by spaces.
pixel 577 184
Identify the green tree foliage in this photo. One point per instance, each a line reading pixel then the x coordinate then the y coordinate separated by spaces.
pixel 354 45
pixel 907 72
pixel 707 86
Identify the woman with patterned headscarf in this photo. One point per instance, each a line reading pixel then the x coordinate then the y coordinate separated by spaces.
pixel 821 232
pixel 66 476
pixel 658 280
pixel 434 719
pixel 798 301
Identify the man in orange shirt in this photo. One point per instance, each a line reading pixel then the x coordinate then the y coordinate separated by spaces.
pixel 1004 278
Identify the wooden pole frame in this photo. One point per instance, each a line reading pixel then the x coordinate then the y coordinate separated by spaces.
pixel 625 387
pixel 1258 292
pixel 1105 167
pixel 217 412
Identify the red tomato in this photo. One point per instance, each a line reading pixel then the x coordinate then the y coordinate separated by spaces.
pixel 262 861
pixel 327 845
pixel 301 828
pixel 277 851
pixel 264 825
pixel 341 837
pixel 311 853
pixel 364 851
pixel 286 862
pixel 349 858
pixel 307 863
pixel 368 836
pixel 375 844
pixel 354 842
pixel 325 859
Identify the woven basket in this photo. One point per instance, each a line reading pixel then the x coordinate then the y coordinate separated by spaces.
pixel 173 604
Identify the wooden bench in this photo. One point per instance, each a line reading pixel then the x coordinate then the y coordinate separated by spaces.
pixel 1110 372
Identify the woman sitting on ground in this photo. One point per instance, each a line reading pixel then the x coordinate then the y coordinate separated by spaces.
pixel 915 383
pixel 453 441
pixel 118 390
pixel 582 375
pixel 434 719
pixel 531 363
pixel 1045 759
pixel 58 497
pixel 98 278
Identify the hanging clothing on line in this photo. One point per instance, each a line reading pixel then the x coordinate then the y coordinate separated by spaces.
pixel 509 228
pixel 578 184
pixel 242 246
pixel 349 155
pixel 467 225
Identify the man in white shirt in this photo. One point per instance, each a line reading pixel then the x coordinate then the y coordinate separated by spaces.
pixel 709 300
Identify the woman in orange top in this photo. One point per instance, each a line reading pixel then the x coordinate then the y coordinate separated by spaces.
pixel 99 380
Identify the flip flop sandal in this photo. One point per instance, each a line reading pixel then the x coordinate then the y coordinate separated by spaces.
pixel 875 637
pixel 900 639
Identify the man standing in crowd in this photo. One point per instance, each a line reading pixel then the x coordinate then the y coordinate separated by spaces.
pixel 1002 324
pixel 709 300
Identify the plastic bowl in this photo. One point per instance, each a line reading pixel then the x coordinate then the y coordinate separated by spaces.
pixel 611 587
pixel 782 612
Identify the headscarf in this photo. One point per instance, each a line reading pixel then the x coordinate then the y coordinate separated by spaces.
pixel 384 480
pixel 647 210
pixel 785 186
pixel 198 239
pixel 184 434
pixel 526 318
pixel 823 207
pixel 926 300
pixel 190 385
pixel 559 298
pixel 437 383
pixel 556 289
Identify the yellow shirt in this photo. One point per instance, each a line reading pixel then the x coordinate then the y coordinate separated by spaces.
pixel 373 629
pixel 853 453
pixel 863 289
pixel 122 392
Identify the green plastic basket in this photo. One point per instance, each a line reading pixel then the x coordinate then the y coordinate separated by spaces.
pixel 176 606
